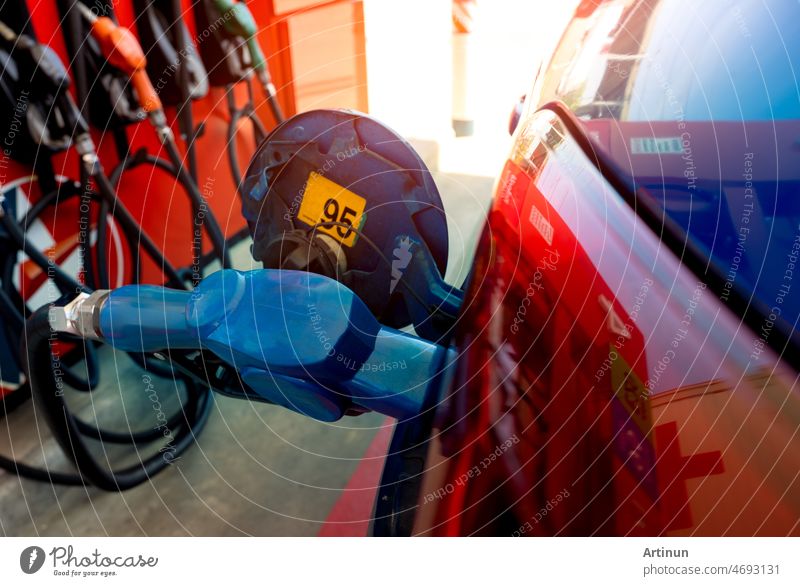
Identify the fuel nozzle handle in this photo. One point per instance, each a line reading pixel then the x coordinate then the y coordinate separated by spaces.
pixel 298 339
pixel 47 72
pixel 48 77
pixel 122 50
pixel 239 21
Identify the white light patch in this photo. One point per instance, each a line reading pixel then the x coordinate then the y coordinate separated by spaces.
pixel 542 225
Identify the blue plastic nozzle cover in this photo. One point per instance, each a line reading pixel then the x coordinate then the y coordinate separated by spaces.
pixel 298 339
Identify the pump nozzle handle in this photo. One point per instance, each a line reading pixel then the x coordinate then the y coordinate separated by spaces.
pixel 122 50
pixel 298 339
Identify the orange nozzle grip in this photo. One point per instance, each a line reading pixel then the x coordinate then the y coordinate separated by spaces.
pixel 148 97
pixel 123 51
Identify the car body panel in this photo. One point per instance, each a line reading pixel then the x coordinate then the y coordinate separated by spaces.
pixel 602 388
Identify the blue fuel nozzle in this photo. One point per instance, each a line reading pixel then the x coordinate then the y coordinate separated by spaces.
pixel 297 339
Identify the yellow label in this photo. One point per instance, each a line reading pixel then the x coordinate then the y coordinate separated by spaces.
pixel 326 201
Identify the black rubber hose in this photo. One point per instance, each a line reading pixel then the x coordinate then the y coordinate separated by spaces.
pixel 236 114
pixel 7 278
pixel 40 474
pixel 49 398
pixel 21 394
pixel 221 246
pixel 14 316
pixel 10 403
pixel 233 157
pixel 101 250
pixel 184 108
pixel 88 384
pixel 199 203
pixel 51 269
pixel 160 368
pixel 129 224
pixel 132 437
pixel 13 319
pixel 94 278
pixel 18 315
pixel 272 100
pixel 140 158
pixel 56 197
pixel 62 193
pixel 250 111
pixel 13 323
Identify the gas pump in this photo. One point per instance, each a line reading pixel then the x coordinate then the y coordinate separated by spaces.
pixel 324 345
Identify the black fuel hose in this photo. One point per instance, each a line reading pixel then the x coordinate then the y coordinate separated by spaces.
pixel 49 398
pixel 180 423
pixel 129 224
pixel 55 272
pixel 199 204
pixel 39 474
pixel 275 108
pixel 236 114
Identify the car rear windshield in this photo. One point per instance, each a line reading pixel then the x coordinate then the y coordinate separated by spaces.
pixel 699 104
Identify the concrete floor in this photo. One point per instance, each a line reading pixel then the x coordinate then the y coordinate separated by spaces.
pixel 256 469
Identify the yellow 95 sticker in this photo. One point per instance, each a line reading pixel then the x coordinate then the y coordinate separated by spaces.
pixel 326 201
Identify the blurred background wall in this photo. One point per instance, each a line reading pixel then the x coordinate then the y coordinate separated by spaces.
pixel 416 65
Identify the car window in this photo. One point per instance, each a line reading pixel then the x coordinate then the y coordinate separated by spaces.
pixel 698 106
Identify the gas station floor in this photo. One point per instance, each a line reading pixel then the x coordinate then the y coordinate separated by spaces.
pixel 256 469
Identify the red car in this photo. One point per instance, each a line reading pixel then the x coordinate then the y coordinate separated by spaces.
pixel 628 358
